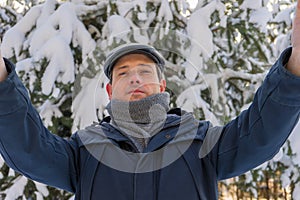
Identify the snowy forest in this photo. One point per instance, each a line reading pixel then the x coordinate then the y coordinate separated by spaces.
pixel 218 53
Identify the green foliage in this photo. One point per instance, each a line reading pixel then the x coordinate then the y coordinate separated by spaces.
pixel 240 46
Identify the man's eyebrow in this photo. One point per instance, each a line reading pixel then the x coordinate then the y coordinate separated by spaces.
pixel 146 64
pixel 121 67
pixel 141 64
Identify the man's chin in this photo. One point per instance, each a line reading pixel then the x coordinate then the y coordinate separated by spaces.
pixel 136 97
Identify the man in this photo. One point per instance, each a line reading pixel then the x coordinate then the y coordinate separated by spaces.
pixel 144 150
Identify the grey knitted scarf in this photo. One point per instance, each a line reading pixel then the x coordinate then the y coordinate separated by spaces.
pixel 139 120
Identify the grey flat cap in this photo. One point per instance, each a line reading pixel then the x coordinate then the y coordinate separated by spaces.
pixel 126 49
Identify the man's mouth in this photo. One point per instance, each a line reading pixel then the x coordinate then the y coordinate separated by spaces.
pixel 136 91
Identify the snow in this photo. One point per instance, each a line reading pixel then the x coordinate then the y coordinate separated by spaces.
pixel 17 189
pixel 47 111
pixel 190 99
pixel 251 4
pixel 27 66
pixel 261 17
pixel 117 27
pixel 1 161
pixel 284 16
pixel 295 142
pixel 55 30
pixel 42 189
pixel 11 172
pixel 91 97
pixel 51 31
pixel 15 37
pixel 61 63
pixel 201 38
pixel 125 6
pixel 296 193
pixel 165 12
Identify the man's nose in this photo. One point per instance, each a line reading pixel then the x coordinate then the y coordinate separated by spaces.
pixel 135 78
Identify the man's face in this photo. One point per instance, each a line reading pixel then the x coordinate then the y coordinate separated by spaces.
pixel 134 77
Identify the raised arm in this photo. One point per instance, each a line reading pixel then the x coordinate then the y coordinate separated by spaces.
pixel 258 133
pixel 294 61
pixel 3 72
pixel 25 144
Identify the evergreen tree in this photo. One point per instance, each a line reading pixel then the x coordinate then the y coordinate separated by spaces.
pixel 217 52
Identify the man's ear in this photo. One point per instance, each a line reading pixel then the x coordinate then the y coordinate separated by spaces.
pixel 109 90
pixel 163 85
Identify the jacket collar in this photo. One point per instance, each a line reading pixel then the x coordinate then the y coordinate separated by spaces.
pixel 173 119
pixel 176 118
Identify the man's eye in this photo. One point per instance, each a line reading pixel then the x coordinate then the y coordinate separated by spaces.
pixel 145 72
pixel 122 74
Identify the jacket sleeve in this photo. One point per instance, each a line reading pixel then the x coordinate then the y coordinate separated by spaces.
pixel 257 134
pixel 26 145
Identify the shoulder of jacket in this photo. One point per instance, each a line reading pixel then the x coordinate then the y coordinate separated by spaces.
pixel 93 134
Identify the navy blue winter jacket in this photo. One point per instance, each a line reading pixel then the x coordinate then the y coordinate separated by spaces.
pixel 191 155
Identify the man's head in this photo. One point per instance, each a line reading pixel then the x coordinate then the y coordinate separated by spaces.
pixel 135 72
